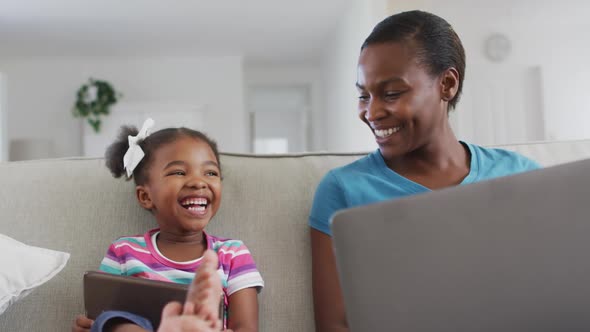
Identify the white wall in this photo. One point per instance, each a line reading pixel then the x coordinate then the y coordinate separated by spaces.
pixel 341 128
pixel 41 92
pixel 546 35
pixel 308 75
pixel 3 134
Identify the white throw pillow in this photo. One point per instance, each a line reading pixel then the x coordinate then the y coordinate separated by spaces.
pixel 23 267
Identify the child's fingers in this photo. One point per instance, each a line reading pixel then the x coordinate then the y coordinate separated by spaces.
pixel 207 303
pixel 205 289
pixel 194 287
pixel 188 308
pixel 196 324
pixel 210 258
pixel 82 323
pixel 197 310
pixel 186 323
pixel 171 309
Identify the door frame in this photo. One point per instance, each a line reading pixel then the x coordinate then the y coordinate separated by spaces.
pixel 3 117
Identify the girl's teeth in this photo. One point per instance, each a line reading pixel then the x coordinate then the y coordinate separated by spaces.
pixel 194 201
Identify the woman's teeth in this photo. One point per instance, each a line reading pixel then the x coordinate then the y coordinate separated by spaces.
pixel 386 132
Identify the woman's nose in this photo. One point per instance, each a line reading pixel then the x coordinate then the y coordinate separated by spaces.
pixel 375 111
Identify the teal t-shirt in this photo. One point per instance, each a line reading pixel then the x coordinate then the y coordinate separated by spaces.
pixel 369 180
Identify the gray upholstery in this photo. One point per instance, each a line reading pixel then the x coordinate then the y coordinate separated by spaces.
pixel 74 205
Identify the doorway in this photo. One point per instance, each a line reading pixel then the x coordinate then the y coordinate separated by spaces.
pixel 3 127
pixel 279 119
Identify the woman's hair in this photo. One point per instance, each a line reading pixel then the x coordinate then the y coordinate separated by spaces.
pixel 438 46
pixel 116 151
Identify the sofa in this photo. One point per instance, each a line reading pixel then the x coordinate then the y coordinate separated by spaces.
pixel 74 205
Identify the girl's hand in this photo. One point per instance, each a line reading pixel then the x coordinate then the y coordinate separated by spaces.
pixel 82 324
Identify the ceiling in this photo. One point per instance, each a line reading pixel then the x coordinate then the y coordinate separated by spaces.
pixel 276 31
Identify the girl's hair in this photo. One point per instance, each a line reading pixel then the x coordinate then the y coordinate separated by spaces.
pixel 438 45
pixel 116 151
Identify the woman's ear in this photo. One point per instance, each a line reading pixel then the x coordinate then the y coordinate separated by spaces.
pixel 449 84
pixel 143 197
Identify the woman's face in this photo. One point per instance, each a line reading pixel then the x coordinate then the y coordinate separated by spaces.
pixel 398 99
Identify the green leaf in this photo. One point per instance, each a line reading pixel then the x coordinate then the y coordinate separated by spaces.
pixel 106 96
pixel 95 124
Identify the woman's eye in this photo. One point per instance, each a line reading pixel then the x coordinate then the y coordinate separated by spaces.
pixel 392 95
pixel 181 173
pixel 363 98
pixel 212 173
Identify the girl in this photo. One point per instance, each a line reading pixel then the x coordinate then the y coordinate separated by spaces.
pixel 177 174
pixel 410 75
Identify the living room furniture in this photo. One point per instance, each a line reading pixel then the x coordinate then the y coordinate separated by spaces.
pixel 74 205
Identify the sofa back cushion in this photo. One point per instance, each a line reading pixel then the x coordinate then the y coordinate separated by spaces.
pixel 74 205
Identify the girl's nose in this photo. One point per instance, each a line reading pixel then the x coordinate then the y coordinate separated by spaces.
pixel 197 182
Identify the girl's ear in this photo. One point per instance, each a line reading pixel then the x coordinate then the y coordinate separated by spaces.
pixel 449 84
pixel 143 197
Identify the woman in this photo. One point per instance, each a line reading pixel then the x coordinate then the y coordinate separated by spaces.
pixel 410 76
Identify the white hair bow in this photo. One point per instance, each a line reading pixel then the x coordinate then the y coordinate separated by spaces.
pixel 135 154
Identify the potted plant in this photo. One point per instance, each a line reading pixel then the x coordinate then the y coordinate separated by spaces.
pixel 93 101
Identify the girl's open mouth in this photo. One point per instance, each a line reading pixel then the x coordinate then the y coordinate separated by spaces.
pixel 196 205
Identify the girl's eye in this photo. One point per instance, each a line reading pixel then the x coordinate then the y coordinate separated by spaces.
pixel 211 173
pixel 363 98
pixel 180 173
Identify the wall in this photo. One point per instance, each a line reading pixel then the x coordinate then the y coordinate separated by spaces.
pixel 41 92
pixel 342 130
pixel 304 75
pixel 550 37
pixel 3 134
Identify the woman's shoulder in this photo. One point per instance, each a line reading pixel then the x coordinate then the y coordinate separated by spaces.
pixel 364 164
pixel 493 157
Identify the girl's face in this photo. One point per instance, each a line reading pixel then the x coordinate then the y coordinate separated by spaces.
pixel 184 186
pixel 398 99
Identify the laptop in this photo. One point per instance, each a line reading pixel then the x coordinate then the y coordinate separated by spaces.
pixel 147 298
pixel 509 254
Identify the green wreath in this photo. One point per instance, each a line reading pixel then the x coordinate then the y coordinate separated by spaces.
pixel 93 101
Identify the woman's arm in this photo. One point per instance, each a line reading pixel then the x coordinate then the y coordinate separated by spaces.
pixel 327 295
pixel 243 310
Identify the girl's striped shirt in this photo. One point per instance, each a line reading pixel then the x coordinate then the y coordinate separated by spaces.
pixel 139 256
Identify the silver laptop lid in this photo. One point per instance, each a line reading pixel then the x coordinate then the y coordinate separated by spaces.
pixel 510 254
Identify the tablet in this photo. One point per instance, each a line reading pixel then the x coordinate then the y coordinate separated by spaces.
pixel 143 297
